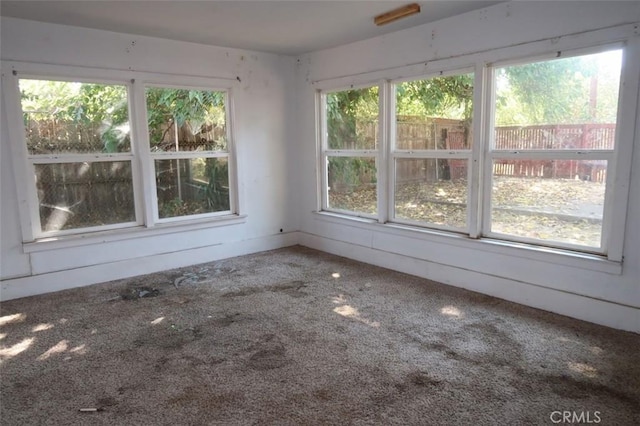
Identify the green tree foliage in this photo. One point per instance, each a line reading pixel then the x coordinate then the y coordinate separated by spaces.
pixel 542 93
pixel 200 186
pixel 191 108
pixel 348 112
pixel 349 115
pixel 217 189
pixel 191 114
pixel 447 97
pixel 574 90
pixel 77 115
pixel 105 107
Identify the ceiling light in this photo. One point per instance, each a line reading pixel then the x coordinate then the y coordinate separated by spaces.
pixel 396 14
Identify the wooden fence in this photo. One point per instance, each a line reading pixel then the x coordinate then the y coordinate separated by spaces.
pixel 52 136
pixel 555 137
pixel 455 135
pixel 565 136
pixel 79 194
pixel 416 133
pixel 82 194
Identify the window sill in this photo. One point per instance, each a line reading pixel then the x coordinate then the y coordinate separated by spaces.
pixel 556 256
pixel 68 241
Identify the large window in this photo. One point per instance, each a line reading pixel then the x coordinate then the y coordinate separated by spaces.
pixel 189 147
pixel 552 147
pixel 79 150
pixel 350 151
pixel 533 163
pixel 432 150
pixel 90 165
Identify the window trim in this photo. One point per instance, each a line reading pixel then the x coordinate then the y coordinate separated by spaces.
pixel 563 257
pixel 326 153
pixel 77 240
pixel 142 170
pixel 17 135
pixel 395 154
pixel 491 154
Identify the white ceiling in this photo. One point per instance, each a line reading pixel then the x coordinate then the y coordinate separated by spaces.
pixel 285 27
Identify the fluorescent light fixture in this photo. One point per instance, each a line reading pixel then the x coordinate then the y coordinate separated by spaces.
pixel 396 14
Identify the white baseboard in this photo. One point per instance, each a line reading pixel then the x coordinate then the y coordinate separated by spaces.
pixel 94 274
pixel 573 305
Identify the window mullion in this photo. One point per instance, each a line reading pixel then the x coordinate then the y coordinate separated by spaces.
pixel 79 158
pixel 554 154
pixel 384 118
pixel 322 145
pixel 390 153
pixel 185 155
pixel 485 178
pixel 440 154
pixel 232 155
pixel 351 153
pixel 477 147
pixel 136 172
pixel 324 171
pixel 146 185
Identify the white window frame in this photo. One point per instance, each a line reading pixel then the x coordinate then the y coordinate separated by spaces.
pixel 29 161
pixel 610 256
pixel 491 154
pixel 396 154
pixel 141 160
pixel 326 153
pixel 189 155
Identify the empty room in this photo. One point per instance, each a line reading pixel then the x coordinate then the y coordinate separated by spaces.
pixel 320 212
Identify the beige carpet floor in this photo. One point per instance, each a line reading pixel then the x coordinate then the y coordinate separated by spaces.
pixel 299 337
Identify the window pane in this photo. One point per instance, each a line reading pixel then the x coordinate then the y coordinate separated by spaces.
pixel 63 117
pixel 186 120
pixel 192 186
pixel 80 195
pixel 551 200
pixel 569 103
pixel 435 113
pixel 352 184
pixel 432 190
pixel 352 119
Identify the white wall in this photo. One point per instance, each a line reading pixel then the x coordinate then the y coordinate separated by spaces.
pixel 262 106
pixel 582 288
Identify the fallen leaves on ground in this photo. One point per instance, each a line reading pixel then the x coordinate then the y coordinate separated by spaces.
pixel 562 210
